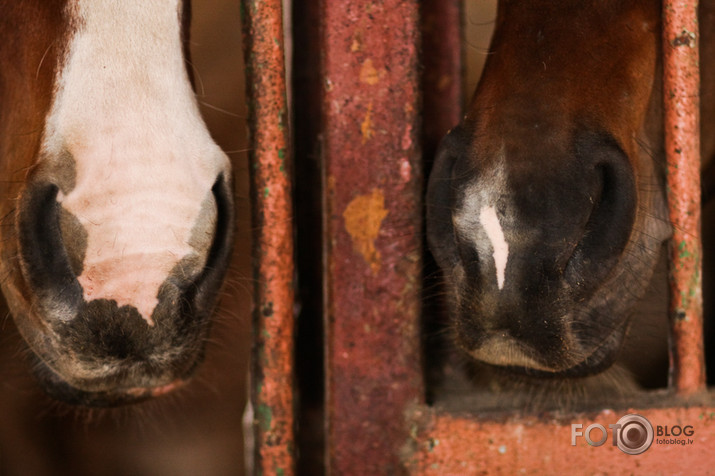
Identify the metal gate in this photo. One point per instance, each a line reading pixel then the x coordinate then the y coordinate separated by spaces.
pixel 361 171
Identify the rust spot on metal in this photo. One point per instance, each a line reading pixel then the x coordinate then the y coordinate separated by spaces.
pixel 443 83
pixel 366 125
pixel 686 38
pixel 357 42
pixel 368 73
pixel 363 217
pixel 681 86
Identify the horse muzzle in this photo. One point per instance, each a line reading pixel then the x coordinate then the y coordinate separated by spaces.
pixel 120 329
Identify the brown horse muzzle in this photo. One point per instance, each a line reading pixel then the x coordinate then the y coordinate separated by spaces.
pixel 550 294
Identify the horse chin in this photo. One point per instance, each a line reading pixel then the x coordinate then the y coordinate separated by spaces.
pixel 106 384
pixel 72 375
pixel 510 357
pixel 58 388
pixel 597 362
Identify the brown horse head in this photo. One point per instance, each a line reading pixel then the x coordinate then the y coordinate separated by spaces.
pixel 546 210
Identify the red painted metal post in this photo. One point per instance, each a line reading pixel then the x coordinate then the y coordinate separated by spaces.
pixel 442 96
pixel 681 89
pixel 272 239
pixel 372 230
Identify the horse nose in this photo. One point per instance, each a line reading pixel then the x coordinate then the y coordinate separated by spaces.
pixel 116 315
pixel 67 261
pixel 533 228
pixel 535 235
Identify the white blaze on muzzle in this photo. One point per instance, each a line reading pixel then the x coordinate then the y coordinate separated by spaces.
pixel 479 221
pixel 145 164
pixel 500 248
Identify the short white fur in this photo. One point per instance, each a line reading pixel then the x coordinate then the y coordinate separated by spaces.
pixel 478 216
pixel 125 111
pixel 500 248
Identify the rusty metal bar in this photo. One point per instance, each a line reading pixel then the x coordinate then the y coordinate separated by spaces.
pixel 442 96
pixel 445 445
pixel 372 230
pixel 681 89
pixel 272 387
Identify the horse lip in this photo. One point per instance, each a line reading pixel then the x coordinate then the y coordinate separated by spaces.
pixel 528 366
pixel 44 354
pixel 157 391
pixel 62 390
pixel 58 387
pixel 103 395
pixel 503 350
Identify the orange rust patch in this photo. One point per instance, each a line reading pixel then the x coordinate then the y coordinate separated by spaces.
pixel 363 218
pixel 368 73
pixel 357 42
pixel 366 126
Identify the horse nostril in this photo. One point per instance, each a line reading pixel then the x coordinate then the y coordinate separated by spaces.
pixel 604 199
pixel 205 288
pixel 53 247
pixel 118 334
pixel 610 223
pixel 44 259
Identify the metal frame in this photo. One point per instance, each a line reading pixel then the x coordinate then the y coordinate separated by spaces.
pixel 376 418
pixel 681 103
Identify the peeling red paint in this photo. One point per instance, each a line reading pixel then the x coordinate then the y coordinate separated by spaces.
pixel 681 94
pixel 373 205
pixel 368 73
pixel 363 218
pixel 272 239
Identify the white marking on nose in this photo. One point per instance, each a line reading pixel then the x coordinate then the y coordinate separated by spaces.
pixel 125 111
pixel 500 248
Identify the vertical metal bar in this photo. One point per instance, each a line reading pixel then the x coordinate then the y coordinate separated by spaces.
pixel 372 230
pixel 681 89
pixel 442 96
pixel 272 392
